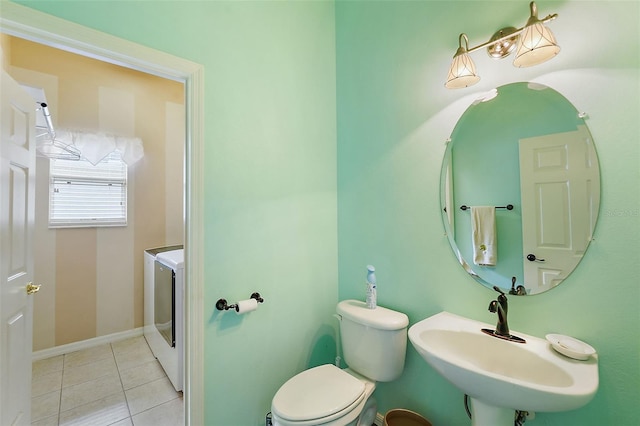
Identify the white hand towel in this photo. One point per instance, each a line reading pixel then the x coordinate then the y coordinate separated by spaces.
pixel 484 240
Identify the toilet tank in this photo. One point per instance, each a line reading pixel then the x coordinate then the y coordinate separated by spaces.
pixel 374 341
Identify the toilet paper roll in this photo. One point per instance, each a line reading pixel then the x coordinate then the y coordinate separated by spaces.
pixel 244 306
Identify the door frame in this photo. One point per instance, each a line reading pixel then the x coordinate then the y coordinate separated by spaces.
pixel 30 24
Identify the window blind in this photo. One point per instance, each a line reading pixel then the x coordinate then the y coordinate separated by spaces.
pixel 84 195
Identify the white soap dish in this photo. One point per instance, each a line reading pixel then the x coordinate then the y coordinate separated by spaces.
pixel 568 346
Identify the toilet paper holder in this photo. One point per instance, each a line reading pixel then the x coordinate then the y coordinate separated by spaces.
pixel 222 305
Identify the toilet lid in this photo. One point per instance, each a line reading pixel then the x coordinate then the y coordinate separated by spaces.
pixel 317 392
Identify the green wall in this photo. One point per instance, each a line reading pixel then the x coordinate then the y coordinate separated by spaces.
pixel 284 81
pixel 394 116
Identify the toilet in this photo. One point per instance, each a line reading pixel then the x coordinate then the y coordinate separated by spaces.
pixel 374 343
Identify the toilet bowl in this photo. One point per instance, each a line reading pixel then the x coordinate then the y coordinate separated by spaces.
pixel 374 342
pixel 327 396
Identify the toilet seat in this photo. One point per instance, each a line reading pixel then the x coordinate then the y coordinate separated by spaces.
pixel 318 395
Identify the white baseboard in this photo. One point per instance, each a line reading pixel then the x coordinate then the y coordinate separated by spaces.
pixel 85 344
pixel 379 419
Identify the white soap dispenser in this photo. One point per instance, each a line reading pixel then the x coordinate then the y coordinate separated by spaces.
pixel 371 287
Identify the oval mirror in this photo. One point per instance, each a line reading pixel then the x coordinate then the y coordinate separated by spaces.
pixel 520 188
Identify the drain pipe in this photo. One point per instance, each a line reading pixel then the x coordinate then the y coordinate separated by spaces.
pixel 522 416
pixel 466 405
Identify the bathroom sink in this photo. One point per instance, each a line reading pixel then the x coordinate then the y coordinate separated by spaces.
pixel 497 373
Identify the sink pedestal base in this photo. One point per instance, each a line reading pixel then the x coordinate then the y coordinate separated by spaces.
pixel 483 414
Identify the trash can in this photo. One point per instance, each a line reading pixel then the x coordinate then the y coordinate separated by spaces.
pixel 401 417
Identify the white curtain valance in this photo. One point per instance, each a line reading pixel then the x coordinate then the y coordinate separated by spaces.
pixel 94 147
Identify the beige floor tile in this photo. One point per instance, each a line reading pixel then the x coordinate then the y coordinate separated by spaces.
pixel 46 405
pixel 128 345
pixel 93 390
pixel 102 412
pixel 86 388
pixel 46 366
pixel 149 395
pixel 168 414
pixel 125 422
pixel 134 358
pixel 87 356
pixel 47 421
pixel 141 374
pixel 86 372
pixel 46 383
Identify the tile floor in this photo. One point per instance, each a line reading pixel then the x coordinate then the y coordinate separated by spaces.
pixel 119 384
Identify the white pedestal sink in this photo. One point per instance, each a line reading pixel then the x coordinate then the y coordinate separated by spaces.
pixel 502 376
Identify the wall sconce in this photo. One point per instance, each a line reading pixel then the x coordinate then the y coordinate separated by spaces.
pixel 535 44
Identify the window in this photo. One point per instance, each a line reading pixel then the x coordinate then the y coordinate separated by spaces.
pixel 84 195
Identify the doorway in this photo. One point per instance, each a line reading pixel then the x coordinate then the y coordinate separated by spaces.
pixel 96 215
pixel 45 29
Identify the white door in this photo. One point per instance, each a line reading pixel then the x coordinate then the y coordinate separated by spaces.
pixel 558 181
pixel 17 197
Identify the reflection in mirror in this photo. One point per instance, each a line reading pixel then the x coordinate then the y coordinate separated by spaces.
pixel 525 145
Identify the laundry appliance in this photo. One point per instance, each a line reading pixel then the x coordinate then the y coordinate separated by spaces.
pixel 164 309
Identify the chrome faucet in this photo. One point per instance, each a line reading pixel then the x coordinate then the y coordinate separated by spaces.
pixel 500 306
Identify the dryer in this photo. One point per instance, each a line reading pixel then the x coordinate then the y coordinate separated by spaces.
pixel 164 310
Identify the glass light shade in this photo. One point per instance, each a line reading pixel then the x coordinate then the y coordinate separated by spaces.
pixel 537 45
pixel 462 72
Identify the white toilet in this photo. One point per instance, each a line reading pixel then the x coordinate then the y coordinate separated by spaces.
pixel 374 343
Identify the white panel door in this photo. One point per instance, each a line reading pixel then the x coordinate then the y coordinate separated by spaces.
pixel 558 177
pixel 17 197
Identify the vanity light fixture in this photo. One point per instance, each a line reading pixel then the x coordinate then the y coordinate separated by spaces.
pixel 535 44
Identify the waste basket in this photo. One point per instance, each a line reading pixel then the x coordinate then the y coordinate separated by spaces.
pixel 401 417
